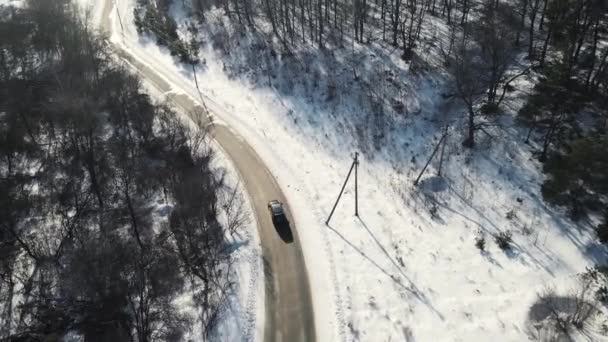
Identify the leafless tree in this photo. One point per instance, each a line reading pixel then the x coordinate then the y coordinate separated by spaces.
pixel 556 317
pixel 469 84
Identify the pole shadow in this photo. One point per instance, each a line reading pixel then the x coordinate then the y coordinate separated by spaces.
pixel 412 288
pixel 418 293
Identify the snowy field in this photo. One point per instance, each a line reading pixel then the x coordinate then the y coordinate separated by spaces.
pixel 407 268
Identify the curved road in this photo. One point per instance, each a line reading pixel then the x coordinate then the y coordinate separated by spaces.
pixel 289 311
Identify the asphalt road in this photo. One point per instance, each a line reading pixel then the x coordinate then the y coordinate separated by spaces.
pixel 289 311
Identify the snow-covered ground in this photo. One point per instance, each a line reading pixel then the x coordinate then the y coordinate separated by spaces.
pixel 17 3
pixel 407 268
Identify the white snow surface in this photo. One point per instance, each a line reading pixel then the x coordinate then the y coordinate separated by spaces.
pixel 406 269
pixel 16 3
pixel 92 9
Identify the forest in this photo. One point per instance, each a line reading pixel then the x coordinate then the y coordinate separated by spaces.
pixel 109 206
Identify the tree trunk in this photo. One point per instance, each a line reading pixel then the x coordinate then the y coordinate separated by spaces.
pixel 132 214
pixel 581 40
pixel 396 20
pixel 320 20
pixel 596 36
pixel 383 17
pixel 549 136
pixel 543 55
pixel 533 13
pixel 530 130
pixel 465 12
pixel 542 16
pixel 470 140
pixel 601 68
pixel 522 22
pixel 237 10
pixel 270 13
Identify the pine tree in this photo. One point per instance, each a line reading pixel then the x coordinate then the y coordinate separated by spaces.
pixel 578 178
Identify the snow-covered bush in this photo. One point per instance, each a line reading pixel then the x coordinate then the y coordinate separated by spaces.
pixel 480 243
pixel 504 239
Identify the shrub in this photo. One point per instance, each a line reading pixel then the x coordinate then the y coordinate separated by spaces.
pixel 489 109
pixel 598 278
pixel 504 239
pixel 480 242
pixel 602 294
pixel 433 211
pixel 558 316
pixel 509 88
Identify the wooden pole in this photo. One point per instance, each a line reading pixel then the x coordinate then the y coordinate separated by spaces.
pixel 340 195
pixel 356 184
pixel 429 161
pixel 195 79
pixel 122 29
pixel 445 141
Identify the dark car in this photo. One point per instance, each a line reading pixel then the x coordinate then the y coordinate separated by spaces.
pixel 279 219
pixel 277 213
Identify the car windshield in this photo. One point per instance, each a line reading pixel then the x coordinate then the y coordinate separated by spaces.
pixel 276 209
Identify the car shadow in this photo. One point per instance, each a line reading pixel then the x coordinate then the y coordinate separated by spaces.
pixel 284 231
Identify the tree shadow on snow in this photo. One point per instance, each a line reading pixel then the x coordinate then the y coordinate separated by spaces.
pixel 361 95
pixel 517 252
pixel 573 231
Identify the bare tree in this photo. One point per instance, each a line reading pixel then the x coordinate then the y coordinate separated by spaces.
pixel 233 206
pixel 556 317
pixel 495 33
pixel 465 68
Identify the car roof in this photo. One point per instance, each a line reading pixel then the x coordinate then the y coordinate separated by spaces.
pixel 276 207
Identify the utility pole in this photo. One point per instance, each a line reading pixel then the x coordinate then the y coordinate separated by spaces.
pixel 193 62
pixel 198 90
pixel 445 141
pixel 195 78
pixel 200 95
pixel 122 29
pixel 431 158
pixel 356 185
pixel 353 166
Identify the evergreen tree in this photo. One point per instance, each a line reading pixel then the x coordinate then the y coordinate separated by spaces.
pixel 578 178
